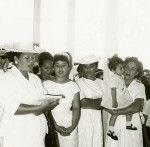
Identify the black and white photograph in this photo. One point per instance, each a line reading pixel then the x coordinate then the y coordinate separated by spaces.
pixel 74 73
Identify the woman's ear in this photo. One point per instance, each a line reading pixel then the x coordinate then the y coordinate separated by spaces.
pixel 15 60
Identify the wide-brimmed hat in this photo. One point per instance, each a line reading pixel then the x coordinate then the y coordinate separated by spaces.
pixel 21 47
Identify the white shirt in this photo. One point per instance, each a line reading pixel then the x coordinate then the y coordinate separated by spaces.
pixel 21 130
pixel 62 113
pixel 126 137
pixel 137 90
pixel 123 96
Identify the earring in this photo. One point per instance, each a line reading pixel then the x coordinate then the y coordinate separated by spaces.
pixel 16 62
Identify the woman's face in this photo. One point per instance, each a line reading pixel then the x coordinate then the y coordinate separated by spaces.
pixel 25 62
pixel 47 68
pixel 61 69
pixel 130 71
pixel 89 70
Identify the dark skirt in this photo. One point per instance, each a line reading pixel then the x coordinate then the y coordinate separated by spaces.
pixel 51 139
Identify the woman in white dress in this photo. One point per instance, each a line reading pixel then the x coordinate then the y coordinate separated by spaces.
pixel 67 113
pixel 127 138
pixel 23 123
pixel 92 91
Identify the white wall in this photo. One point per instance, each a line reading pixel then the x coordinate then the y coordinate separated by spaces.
pixel 16 20
pixel 98 25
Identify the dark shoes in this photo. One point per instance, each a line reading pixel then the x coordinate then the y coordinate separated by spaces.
pixel 112 135
pixel 131 127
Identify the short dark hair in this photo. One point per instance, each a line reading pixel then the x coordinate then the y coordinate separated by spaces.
pixel 44 56
pixel 113 62
pixel 138 64
pixel 62 57
pixel 11 55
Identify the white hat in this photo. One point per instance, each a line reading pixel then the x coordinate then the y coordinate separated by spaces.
pixel 89 59
pixel 21 47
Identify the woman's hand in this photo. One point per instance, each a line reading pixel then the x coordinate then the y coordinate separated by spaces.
pixel 112 111
pixel 62 130
pixel 69 129
pixel 47 105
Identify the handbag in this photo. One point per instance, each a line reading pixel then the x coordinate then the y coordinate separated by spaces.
pixel 51 139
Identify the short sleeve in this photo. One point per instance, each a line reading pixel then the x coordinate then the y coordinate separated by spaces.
pixel 75 88
pixel 146 109
pixel 140 92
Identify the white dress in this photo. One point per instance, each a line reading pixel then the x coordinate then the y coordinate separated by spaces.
pixel 129 138
pixel 90 124
pixel 62 113
pixel 21 130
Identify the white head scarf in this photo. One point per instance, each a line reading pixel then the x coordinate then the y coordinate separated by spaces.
pixel 89 59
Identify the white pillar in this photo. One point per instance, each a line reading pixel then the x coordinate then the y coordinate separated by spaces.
pixel 71 32
pixel 36 21
pixel 71 27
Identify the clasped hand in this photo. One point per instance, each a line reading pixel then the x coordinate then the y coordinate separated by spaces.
pixel 64 131
pixel 112 111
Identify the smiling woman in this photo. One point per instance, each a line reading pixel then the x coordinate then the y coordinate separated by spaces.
pixel 92 92
pixel 67 113
pixel 133 70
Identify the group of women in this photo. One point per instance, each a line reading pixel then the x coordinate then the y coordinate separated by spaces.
pixel 75 106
